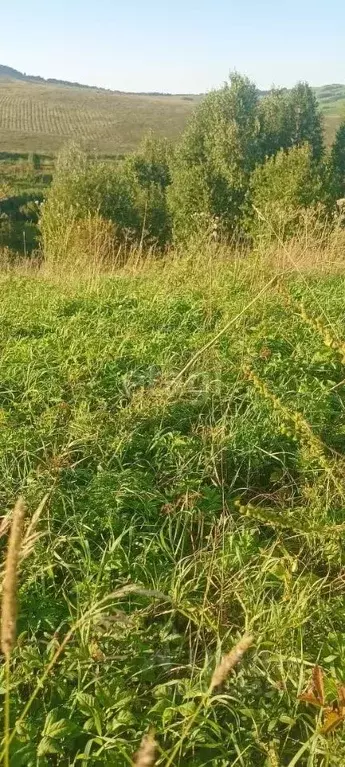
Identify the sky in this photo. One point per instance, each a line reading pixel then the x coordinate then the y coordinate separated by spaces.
pixel 179 46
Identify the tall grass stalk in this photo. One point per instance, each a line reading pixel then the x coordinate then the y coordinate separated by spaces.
pixel 9 609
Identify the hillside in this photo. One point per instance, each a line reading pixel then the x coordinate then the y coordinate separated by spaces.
pixel 42 117
pixel 38 115
pixel 330 95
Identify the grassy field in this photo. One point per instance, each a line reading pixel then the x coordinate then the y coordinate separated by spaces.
pixel 41 118
pixel 37 117
pixel 186 420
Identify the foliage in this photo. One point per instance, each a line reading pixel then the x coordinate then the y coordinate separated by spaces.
pixel 149 169
pixel 83 187
pixel 130 194
pixel 231 154
pixel 281 189
pixel 337 163
pixel 291 118
pixel 275 122
pixel 306 119
pixel 231 133
pixel 215 157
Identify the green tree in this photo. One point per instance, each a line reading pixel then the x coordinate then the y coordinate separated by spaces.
pixel 280 191
pixel 305 120
pixel 214 160
pixel 275 117
pixel 291 118
pixel 337 163
pixel 149 172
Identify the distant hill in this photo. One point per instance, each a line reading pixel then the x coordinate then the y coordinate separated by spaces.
pixel 38 115
pixel 7 73
pixel 329 94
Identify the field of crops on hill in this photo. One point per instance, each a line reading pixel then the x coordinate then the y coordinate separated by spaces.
pixel 37 117
pixel 41 118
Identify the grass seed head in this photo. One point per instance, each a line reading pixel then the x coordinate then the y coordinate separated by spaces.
pixel 9 591
pixel 230 660
pixel 146 755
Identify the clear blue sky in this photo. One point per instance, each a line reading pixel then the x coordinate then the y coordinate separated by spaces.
pixel 175 45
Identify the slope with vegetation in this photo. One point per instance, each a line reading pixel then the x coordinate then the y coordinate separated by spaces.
pixel 244 166
pixel 38 115
pixel 172 394
pixel 186 422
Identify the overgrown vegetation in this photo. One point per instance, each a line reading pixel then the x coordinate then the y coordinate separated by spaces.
pixel 241 156
pixel 24 181
pixel 200 494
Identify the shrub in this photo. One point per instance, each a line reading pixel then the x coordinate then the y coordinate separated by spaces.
pixel 214 159
pixel 149 173
pixel 84 188
pixel 280 191
pixel 291 118
pixel 130 195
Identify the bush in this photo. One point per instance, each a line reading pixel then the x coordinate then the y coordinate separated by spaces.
pixel 280 191
pixel 155 195
pixel 84 188
pixel 149 173
pixel 213 162
pixel 130 195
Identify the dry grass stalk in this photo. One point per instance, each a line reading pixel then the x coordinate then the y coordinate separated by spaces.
pixel 146 755
pixel 29 538
pixel 5 524
pixel 9 591
pixel 230 660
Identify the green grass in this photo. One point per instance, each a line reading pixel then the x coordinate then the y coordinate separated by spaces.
pixel 331 97
pixel 18 176
pixel 220 489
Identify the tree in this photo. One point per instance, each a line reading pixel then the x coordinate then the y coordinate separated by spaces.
pixel 280 191
pixel 337 163
pixel 305 120
pixel 149 172
pixel 214 160
pixel 291 118
pixel 275 122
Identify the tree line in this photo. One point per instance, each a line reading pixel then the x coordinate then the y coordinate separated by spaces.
pixel 246 163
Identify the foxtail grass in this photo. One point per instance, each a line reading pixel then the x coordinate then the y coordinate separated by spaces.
pixel 9 608
pixel 146 754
